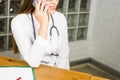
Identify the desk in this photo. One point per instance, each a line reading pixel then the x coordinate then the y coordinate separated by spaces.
pixel 49 73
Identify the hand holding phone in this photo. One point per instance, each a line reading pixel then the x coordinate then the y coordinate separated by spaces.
pixel 42 16
pixel 41 12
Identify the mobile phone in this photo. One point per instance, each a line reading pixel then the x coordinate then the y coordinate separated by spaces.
pixel 34 2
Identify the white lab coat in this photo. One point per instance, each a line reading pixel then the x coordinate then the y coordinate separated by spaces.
pixel 37 51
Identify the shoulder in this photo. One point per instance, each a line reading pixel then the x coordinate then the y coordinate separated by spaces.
pixel 58 13
pixel 61 22
pixel 60 16
pixel 20 18
pixel 21 21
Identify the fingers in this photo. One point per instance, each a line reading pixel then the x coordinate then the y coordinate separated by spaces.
pixel 37 6
pixel 41 6
pixel 46 9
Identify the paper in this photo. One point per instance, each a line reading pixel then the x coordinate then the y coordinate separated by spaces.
pixel 16 73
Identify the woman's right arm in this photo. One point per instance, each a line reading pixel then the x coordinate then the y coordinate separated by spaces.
pixel 42 17
pixel 32 52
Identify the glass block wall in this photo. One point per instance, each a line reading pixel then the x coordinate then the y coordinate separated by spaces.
pixel 75 11
pixel 77 14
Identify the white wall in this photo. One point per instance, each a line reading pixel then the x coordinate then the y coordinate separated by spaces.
pixel 81 49
pixel 105 33
pixel 103 43
pixel 78 50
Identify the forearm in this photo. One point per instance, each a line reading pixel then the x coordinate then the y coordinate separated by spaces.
pixel 42 32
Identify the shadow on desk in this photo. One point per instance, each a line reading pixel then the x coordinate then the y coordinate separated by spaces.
pixel 50 73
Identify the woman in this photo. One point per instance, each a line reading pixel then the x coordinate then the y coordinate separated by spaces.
pixel 41 34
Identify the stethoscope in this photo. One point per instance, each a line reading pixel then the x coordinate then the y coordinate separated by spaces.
pixel 50 33
pixel 53 27
pixel 54 54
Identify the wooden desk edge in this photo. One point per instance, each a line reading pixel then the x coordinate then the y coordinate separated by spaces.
pixel 6 61
pixel 98 78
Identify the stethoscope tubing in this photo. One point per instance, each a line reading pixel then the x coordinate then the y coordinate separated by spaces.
pixel 53 27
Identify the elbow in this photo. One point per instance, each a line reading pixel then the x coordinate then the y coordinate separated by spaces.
pixel 33 64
